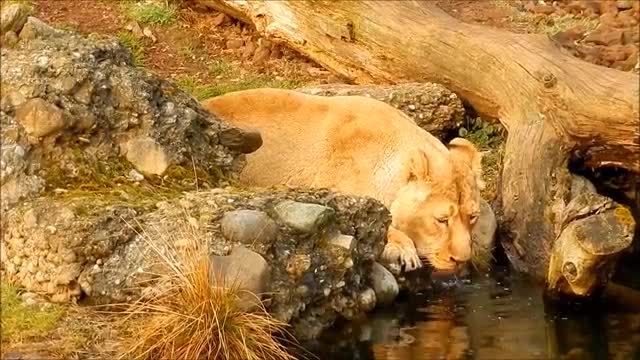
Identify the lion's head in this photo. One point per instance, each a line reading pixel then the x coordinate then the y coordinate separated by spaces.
pixel 439 202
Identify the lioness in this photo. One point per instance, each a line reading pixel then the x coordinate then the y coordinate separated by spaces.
pixel 361 146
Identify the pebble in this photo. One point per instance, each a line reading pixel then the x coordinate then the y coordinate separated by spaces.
pixel 384 284
pixel 303 217
pixel 248 227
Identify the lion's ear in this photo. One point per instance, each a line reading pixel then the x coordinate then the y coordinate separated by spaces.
pixel 467 151
pixel 417 168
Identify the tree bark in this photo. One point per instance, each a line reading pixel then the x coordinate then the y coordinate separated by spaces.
pixel 553 105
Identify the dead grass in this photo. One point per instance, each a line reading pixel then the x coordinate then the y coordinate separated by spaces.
pixel 189 316
pixel 555 24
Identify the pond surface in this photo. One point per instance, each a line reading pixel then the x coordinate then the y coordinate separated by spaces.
pixel 497 316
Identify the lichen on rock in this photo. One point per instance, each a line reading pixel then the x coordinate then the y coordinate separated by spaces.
pixel 80 110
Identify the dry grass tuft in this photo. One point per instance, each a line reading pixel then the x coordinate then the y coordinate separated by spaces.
pixel 191 317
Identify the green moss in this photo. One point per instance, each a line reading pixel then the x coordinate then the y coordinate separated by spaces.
pixel 135 44
pixel 21 322
pixel 105 183
pixel 201 91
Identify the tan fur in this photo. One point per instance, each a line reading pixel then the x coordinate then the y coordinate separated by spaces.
pixel 360 146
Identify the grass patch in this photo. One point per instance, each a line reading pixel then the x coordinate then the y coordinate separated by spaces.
pixel 20 322
pixel 135 44
pixel 489 138
pixel 201 91
pixel 555 24
pixel 152 13
pixel 190 316
pixel 220 67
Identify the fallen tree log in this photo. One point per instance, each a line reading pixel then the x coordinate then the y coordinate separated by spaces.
pixel 553 106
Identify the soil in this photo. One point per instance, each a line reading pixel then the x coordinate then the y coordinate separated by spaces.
pixel 206 47
pixel 602 32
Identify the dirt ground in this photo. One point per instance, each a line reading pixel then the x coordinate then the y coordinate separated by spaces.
pixel 208 53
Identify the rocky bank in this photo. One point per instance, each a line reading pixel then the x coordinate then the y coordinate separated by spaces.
pixel 97 153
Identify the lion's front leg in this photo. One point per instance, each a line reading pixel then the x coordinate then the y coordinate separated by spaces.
pixel 401 249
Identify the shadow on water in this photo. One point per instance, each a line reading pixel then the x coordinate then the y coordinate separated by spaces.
pixel 502 316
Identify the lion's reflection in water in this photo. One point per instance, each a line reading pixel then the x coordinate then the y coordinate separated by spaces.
pixel 503 318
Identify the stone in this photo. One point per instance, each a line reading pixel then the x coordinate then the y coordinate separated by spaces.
pixel 249 49
pixel 276 53
pixel 347 242
pixel 248 227
pixel 608 7
pixel 135 176
pixel 303 217
pixel 261 55
pixel 221 19
pixel 483 233
pixel 244 268
pixel 146 155
pixel 234 43
pixel 13 17
pixel 10 39
pixel 298 265
pixel 40 118
pixel 543 9
pixel 367 299
pixel 624 4
pixel 36 28
pixel 384 284
pixel 605 37
pixel 568 37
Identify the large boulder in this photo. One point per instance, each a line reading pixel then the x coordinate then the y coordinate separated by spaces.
pixel 313 274
pixel 75 112
pixel 432 106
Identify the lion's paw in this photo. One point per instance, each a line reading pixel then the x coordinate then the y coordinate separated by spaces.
pixel 403 255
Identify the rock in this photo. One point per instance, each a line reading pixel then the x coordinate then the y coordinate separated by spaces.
pixel 135 29
pixel 13 17
pixel 35 28
pixel 306 218
pixel 135 176
pixel 568 37
pixel 96 251
pixel 624 4
pixel 608 7
pixel 249 49
pixel 276 53
pixel 543 9
pixel 146 155
pixel 384 284
pixel 10 39
pixel 248 227
pixel 483 235
pixel 234 43
pixel 436 109
pixel 221 19
pixel 605 37
pixel 39 118
pixel 107 116
pixel 344 241
pixel 367 299
pixel 243 268
pixel 261 55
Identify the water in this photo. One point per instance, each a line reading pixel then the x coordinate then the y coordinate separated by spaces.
pixel 502 316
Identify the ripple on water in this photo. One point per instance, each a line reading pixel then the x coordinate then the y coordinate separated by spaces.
pixel 498 317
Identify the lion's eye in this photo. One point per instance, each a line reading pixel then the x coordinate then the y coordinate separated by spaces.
pixel 473 219
pixel 442 220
